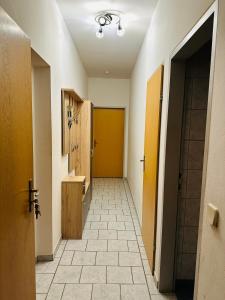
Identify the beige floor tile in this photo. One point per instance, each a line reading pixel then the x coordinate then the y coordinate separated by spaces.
pixel 138 275
pixel 67 274
pixel 134 292
pixel 43 282
pixel 128 259
pixel 119 275
pixel 52 266
pixel 90 234
pixel 108 218
pixel 41 296
pixel 84 258
pixel 95 206
pixel 123 218
pixel 59 251
pixel 133 246
pixel 77 292
pixel 126 212
pixel 95 218
pixel 88 224
pixel 116 245
pixel 116 212
pixel 108 206
pixel 101 212
pixel 106 292
pixel 129 226
pixel 98 225
pixel 107 235
pixel 107 258
pixel 97 245
pixel 78 245
pixel 116 225
pixel 93 274
pixel 55 292
pixel 127 235
pixel 66 258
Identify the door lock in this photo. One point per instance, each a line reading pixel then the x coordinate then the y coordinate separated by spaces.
pixel 33 199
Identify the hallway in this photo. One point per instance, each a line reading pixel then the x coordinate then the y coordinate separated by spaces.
pixel 109 262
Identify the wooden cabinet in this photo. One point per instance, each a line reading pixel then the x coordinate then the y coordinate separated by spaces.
pixel 75 205
pixel 77 142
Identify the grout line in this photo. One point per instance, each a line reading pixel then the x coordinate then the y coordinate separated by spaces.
pixel 63 291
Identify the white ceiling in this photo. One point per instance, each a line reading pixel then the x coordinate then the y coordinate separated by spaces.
pixel 114 54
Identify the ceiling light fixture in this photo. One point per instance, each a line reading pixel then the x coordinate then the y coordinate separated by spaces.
pixel 100 33
pixel 107 18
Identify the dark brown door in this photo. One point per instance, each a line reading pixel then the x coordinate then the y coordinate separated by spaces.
pixel 17 258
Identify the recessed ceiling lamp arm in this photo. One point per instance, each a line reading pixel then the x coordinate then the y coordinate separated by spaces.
pixel 107 18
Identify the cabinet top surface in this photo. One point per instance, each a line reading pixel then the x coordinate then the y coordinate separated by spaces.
pixel 74 179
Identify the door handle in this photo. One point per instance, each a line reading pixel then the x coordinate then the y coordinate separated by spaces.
pixel 143 160
pixel 95 143
pixel 33 199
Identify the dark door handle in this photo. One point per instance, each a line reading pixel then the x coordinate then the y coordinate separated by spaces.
pixel 143 160
pixel 95 143
pixel 33 199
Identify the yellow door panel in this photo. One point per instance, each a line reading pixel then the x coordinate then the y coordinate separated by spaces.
pixel 108 142
pixel 151 150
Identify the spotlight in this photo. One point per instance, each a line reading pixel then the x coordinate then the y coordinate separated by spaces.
pixel 100 33
pixel 102 21
pixel 120 30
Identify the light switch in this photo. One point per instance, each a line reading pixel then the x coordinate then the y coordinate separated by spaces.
pixel 212 215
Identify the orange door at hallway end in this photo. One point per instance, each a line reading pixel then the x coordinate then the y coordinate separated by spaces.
pixel 108 142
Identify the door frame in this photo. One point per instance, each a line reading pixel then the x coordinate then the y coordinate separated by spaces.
pixel 125 140
pixel 42 153
pixel 170 185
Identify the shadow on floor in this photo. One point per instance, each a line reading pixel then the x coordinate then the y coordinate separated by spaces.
pixel 184 289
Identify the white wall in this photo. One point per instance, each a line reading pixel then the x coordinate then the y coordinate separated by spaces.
pixel 42 157
pixel 112 93
pixel 171 21
pixel 43 23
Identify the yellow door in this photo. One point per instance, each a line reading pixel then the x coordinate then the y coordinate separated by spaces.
pixel 151 150
pixel 108 142
pixel 17 257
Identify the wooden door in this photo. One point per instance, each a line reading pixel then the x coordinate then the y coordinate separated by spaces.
pixel 151 153
pixel 108 142
pixel 17 256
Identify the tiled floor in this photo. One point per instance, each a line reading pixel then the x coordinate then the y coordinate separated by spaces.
pixel 110 262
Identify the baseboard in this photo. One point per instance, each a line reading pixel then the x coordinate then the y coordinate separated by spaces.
pixel 57 247
pixel 42 258
pixel 50 257
pixel 156 281
pixel 128 191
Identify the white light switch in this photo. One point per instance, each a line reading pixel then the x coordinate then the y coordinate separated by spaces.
pixel 212 215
